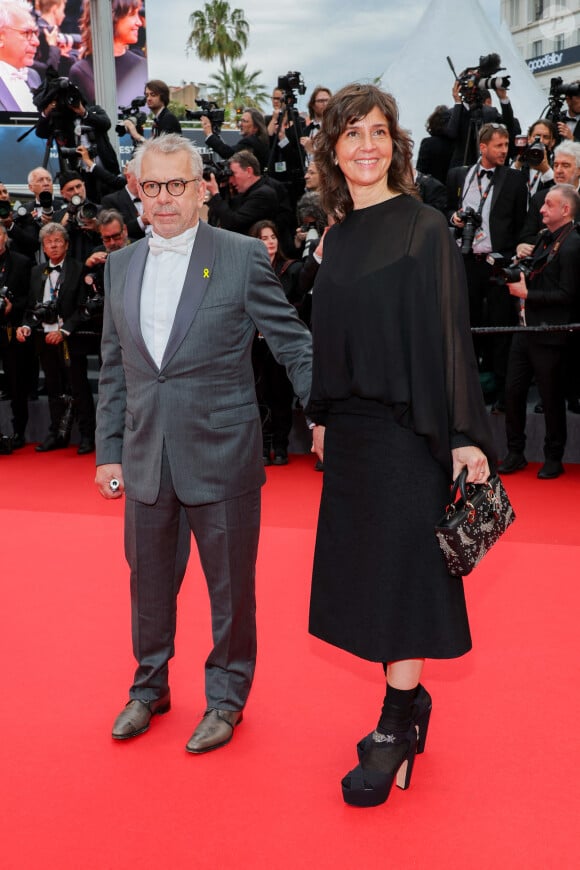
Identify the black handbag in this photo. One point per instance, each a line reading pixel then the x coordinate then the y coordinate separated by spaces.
pixel 472 523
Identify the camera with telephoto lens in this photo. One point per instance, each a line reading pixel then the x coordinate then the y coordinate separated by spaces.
pixel 131 113
pixel 210 110
pixel 81 210
pixel 472 220
pixel 5 296
pixel 5 209
pixel 474 81
pixel 56 89
pixel 45 312
pixel 71 152
pixel 531 153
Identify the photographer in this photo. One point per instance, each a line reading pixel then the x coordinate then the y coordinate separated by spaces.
pixel 487 206
pixel 20 227
pixel 254 137
pixel 472 108
pixel 548 290
pixel 287 158
pixel 66 119
pixel 17 360
pixel 534 158
pixel 157 100
pixel 569 125
pixel 78 215
pixel 54 313
pixel 316 106
pixel 255 199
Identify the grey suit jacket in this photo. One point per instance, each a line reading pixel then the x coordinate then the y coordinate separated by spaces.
pixel 201 402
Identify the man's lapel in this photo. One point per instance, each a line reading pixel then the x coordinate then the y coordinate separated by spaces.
pixel 132 296
pixel 197 279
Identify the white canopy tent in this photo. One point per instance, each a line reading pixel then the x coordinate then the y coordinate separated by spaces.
pixel 419 76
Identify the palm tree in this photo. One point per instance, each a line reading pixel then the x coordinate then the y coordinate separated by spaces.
pixel 218 32
pixel 242 88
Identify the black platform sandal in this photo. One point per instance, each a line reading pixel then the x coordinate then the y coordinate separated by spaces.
pixel 386 758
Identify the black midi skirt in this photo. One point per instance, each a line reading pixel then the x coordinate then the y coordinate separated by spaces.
pixel 380 587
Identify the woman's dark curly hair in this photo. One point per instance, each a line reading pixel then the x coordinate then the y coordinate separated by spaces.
pixel 119 8
pixel 352 103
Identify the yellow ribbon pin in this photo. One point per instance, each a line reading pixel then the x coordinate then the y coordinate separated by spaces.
pixel 206 273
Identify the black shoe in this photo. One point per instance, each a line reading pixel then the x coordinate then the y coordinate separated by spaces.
pixel 18 442
pixel 280 456
pixel 51 442
pixel 87 445
pixel 512 462
pixel 134 719
pixel 550 469
pixel 318 466
pixel 266 456
pixel 574 406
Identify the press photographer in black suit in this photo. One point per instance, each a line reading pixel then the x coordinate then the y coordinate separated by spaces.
pixel 547 296
pixel 17 359
pixel 254 137
pixel 58 284
pixel 498 199
pixel 164 121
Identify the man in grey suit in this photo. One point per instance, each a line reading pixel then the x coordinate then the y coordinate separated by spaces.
pixel 179 429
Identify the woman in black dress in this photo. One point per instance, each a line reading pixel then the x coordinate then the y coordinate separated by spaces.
pixel 399 412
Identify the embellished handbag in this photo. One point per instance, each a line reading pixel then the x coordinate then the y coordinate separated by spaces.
pixel 472 523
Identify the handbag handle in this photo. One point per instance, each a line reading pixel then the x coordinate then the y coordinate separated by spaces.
pixel 460 483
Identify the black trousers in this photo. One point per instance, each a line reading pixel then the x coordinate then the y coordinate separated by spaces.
pixel 19 363
pixel 65 373
pixel 531 358
pixel 275 396
pixel 490 304
pixel 157 547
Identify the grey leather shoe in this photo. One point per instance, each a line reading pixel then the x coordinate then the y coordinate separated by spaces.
pixel 215 730
pixel 134 719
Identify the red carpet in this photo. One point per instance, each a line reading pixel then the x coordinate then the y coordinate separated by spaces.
pixel 496 788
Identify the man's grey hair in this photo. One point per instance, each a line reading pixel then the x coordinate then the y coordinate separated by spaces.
pixel 8 8
pixel 168 143
pixel 570 148
pixel 569 193
pixel 52 229
pixel 109 216
pixel 33 172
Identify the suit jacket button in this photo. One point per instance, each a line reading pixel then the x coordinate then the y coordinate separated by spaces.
pixel 161 379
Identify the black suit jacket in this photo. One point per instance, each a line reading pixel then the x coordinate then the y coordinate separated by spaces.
pixel 165 122
pixel 122 201
pixel 71 294
pixel 554 287
pixel 15 270
pixel 258 203
pixel 509 199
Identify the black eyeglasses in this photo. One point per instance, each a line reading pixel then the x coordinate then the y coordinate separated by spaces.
pixel 175 186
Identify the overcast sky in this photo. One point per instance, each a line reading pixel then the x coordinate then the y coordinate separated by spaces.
pixel 330 42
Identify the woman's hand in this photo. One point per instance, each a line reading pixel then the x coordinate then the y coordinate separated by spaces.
pixel 474 459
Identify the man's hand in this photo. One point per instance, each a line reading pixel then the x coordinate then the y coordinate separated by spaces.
pixel 22 333
pixel 206 126
pixel 455 92
pixel 212 186
pixel 564 130
pixel 107 473
pixel 55 337
pixel 96 259
pixel 520 289
pixel 83 151
pixel 524 250
pixel 318 441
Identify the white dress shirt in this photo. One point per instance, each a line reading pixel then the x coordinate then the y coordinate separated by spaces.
pixel 16 82
pixel 163 281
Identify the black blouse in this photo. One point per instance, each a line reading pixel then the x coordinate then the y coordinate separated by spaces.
pixel 390 323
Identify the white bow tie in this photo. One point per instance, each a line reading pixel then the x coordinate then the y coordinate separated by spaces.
pixel 19 75
pixel 159 245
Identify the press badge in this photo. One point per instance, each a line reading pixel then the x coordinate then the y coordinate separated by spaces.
pixel 280 166
pixel 480 236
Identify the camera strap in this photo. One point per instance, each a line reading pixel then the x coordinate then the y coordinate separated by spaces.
pixel 554 252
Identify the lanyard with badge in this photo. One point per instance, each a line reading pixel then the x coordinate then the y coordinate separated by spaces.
pixel 480 235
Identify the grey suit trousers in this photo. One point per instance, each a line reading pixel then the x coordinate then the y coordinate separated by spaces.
pixel 157 548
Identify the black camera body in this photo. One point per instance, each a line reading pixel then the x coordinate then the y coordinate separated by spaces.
pixel 512 274
pixel 131 113
pixel 291 83
pixel 473 81
pixel 57 89
pixel 45 312
pixel 81 210
pixel 92 307
pixel 472 220
pixel 210 110
pixel 532 153
pixel 558 93
pixel 5 209
pixel 221 170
